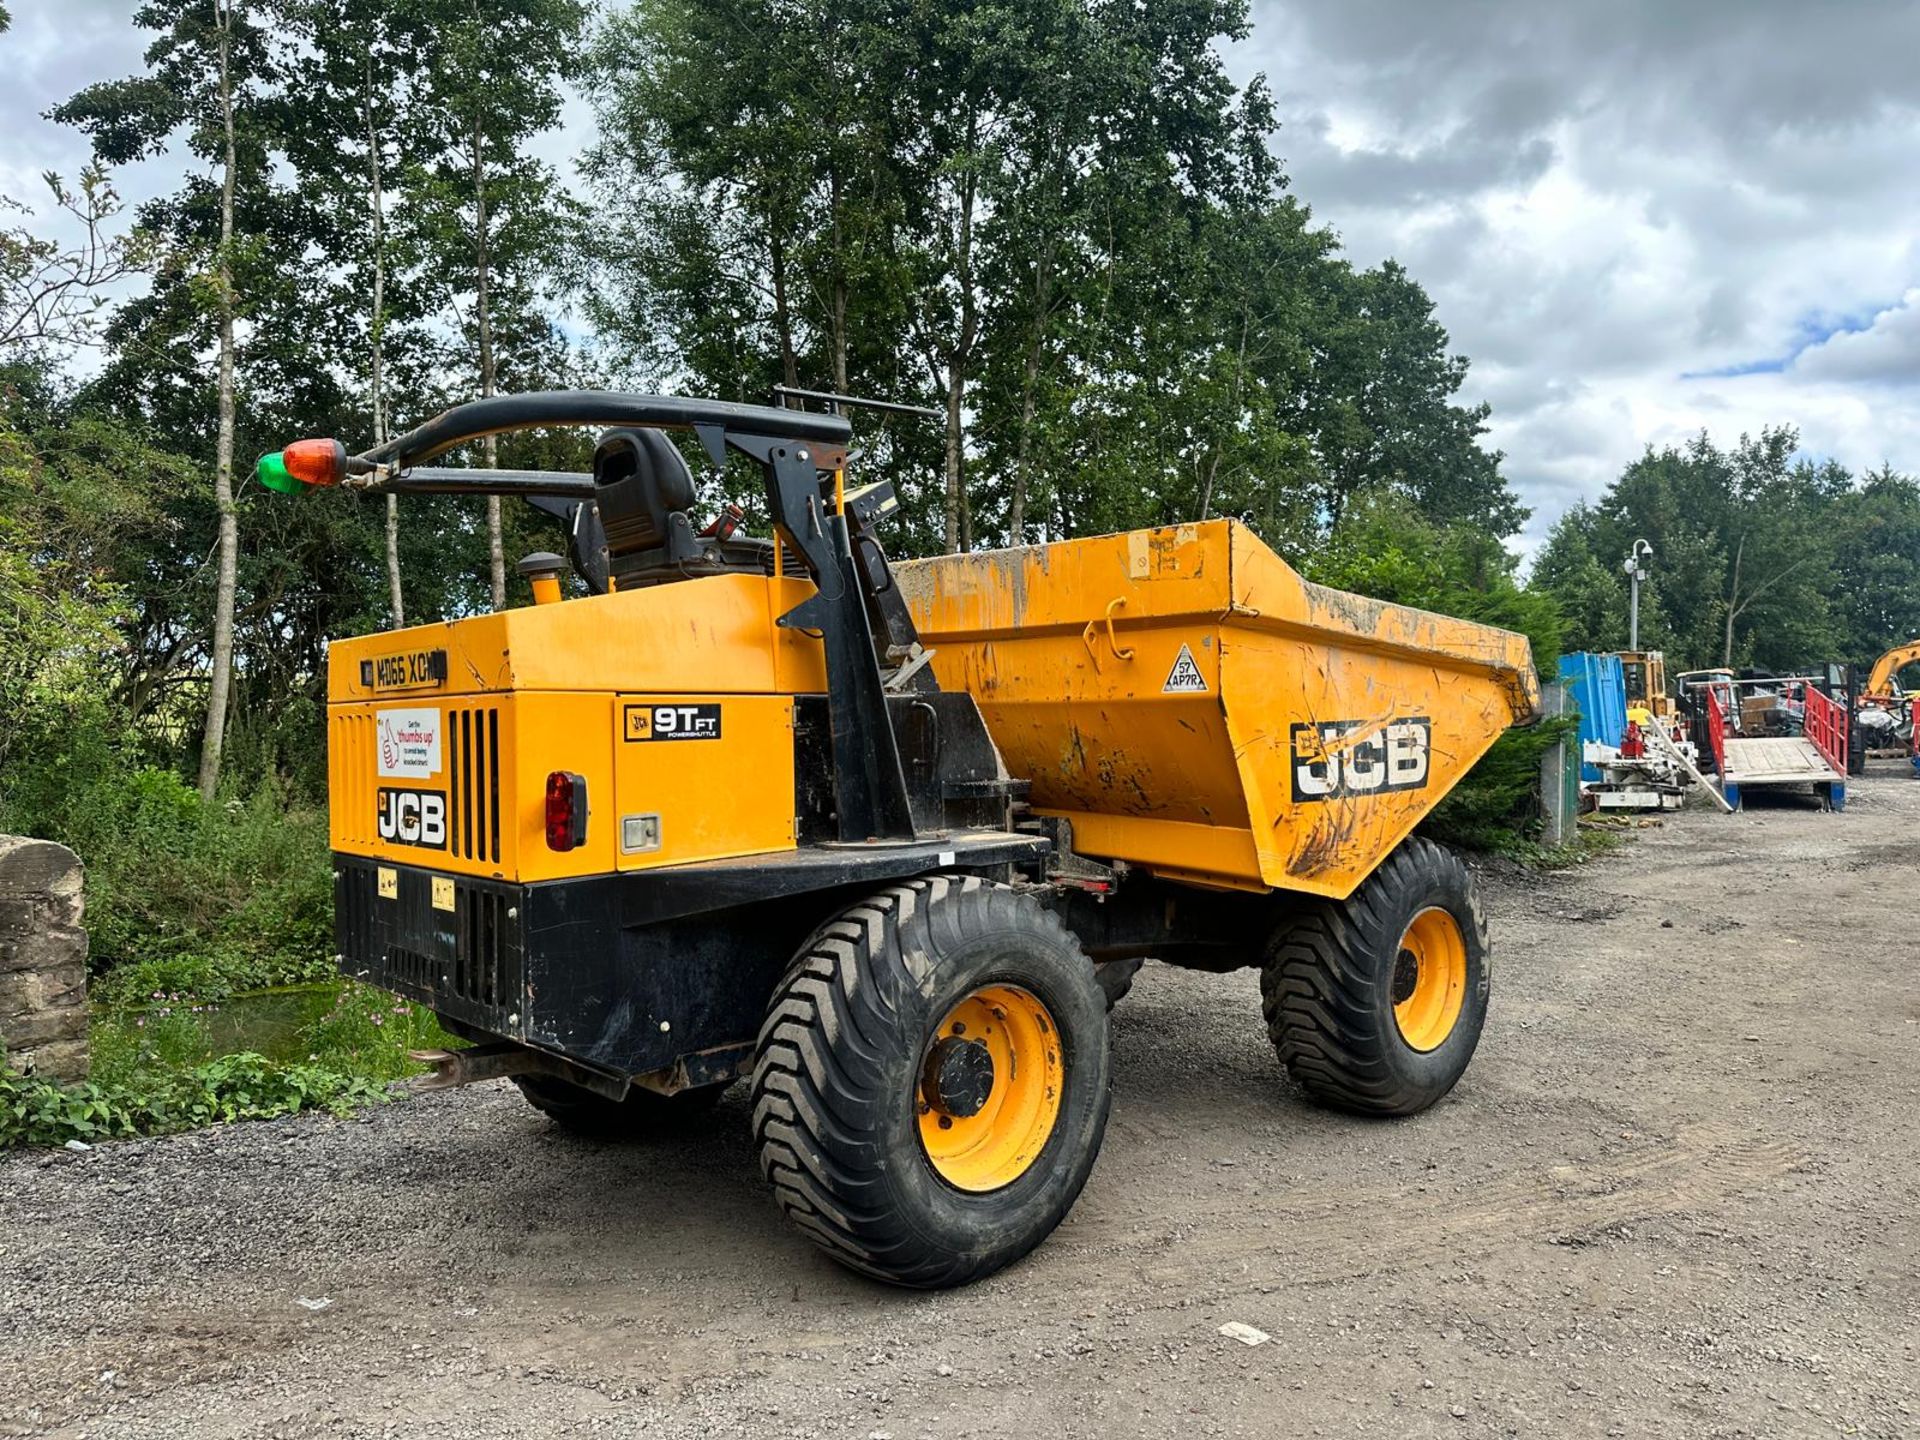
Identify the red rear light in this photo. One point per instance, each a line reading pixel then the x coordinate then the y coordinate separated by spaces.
pixel 566 810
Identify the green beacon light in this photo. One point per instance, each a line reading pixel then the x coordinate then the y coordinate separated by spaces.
pixel 272 473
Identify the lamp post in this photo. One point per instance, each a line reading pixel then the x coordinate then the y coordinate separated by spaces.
pixel 1636 572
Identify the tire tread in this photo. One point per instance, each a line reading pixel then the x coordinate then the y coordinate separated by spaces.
pixel 838 1005
pixel 1319 987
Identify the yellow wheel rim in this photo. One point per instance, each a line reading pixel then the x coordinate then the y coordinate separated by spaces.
pixel 1429 979
pixel 983 1125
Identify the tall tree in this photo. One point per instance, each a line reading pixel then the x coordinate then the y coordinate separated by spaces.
pixel 1743 550
pixel 493 217
pixel 221 680
pixel 1771 518
pixel 356 74
pixel 209 68
pixel 1590 588
pixel 1379 404
pixel 1875 574
pixel 752 184
pixel 1011 200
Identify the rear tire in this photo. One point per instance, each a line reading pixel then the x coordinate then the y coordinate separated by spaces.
pixel 644 1114
pixel 1376 1003
pixel 932 1082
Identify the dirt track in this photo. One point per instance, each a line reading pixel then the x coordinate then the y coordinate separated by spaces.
pixel 1677 1194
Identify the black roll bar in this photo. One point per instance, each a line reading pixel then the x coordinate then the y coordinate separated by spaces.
pixel 501 414
pixel 438 480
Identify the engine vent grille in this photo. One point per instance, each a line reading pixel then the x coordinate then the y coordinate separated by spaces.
pixel 466 963
pixel 350 777
pixel 479 957
pixel 473 780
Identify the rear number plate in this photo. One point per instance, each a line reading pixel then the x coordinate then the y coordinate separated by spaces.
pixel 409 670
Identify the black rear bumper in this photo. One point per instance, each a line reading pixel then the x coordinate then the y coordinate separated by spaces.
pixel 627 973
pixel 468 963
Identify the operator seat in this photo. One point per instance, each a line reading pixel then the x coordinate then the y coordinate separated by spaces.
pixel 644 492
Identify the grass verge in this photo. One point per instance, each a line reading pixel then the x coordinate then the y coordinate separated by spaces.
pixel 166 1061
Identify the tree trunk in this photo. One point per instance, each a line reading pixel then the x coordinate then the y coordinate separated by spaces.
pixel 1042 289
pixel 1233 401
pixel 377 377
pixel 1733 607
pixel 838 319
pixel 1206 485
pixel 951 533
pixel 483 313
pixel 782 318
pixel 221 682
pixel 959 515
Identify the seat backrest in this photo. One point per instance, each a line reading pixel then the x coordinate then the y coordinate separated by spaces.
pixel 640 479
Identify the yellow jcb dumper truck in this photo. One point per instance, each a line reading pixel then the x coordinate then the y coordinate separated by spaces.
pixel 887 841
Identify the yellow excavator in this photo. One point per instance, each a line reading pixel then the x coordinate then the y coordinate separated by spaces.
pixel 1883 710
pixel 1880 687
pixel 1645 675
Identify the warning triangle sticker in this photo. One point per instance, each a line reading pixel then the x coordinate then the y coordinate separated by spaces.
pixel 1185 677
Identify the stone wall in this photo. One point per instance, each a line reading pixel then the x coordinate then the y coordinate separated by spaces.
pixel 43 959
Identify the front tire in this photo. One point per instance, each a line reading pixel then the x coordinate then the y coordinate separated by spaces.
pixel 932 1083
pixel 1376 1003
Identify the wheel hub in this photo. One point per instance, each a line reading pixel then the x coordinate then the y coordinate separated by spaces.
pixel 1406 975
pixel 1428 989
pixel 989 1090
pixel 958 1077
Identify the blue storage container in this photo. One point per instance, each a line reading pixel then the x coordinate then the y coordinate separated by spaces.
pixel 1600 690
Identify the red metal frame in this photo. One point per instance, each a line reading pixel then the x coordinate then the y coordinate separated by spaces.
pixel 1825 724
pixel 1716 732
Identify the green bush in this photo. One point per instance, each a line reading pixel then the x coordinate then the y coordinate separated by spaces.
pixel 142 1048
pixel 141 1043
pixel 182 895
pixel 34 1111
pixel 369 1032
pixel 1496 807
pixel 158 1066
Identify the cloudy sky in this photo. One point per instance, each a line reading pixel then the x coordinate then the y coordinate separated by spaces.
pixel 1639 218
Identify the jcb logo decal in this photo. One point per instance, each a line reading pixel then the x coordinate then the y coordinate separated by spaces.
pixel 1342 758
pixel 673 722
pixel 414 817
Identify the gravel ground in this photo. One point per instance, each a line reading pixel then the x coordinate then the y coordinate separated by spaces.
pixel 1678 1193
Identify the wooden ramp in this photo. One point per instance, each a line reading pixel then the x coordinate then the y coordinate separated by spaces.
pixel 1784 760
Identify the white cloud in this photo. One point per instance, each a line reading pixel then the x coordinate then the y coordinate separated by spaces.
pixel 54 48
pixel 1886 352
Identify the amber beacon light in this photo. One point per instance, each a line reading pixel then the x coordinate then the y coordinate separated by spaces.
pixel 303 465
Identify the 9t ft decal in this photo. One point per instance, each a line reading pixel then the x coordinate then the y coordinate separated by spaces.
pixel 673 722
